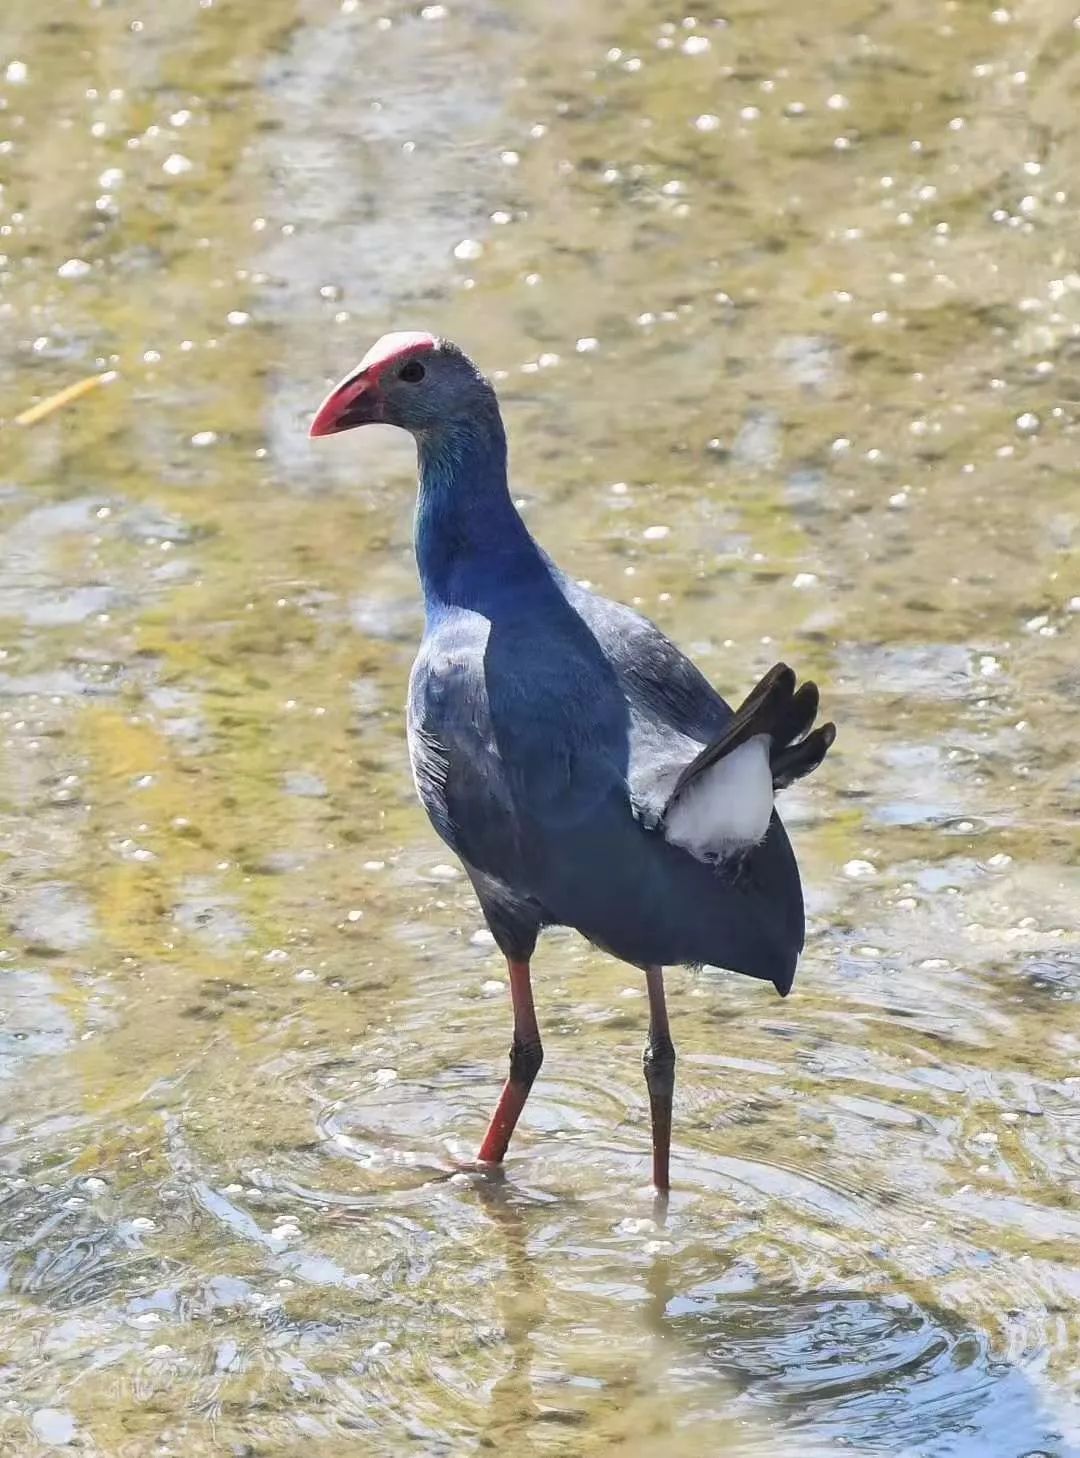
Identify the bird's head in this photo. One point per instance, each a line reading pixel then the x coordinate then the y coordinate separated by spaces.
pixel 412 380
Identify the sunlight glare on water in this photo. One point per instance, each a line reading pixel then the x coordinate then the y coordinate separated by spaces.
pixel 784 311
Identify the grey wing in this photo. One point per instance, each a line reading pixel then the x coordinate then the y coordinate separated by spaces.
pixel 674 710
pixel 505 750
pixel 456 768
pixel 658 678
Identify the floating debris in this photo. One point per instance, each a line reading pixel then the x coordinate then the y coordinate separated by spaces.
pixel 63 397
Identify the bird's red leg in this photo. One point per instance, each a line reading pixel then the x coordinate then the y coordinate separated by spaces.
pixel 659 1077
pixel 526 1056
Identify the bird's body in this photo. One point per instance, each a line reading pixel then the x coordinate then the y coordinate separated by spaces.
pixel 581 767
pixel 547 731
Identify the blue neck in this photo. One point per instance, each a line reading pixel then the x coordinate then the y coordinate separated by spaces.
pixel 472 548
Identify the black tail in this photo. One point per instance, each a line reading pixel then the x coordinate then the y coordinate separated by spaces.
pixel 776 708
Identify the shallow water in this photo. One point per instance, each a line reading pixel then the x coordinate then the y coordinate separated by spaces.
pixel 785 315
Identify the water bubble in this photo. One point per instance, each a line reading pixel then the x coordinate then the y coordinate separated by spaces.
pixel 804 579
pixel 656 533
pixel 586 345
pixel 176 164
pixel 433 12
pixel 510 158
pixel 111 178
pixel 1028 423
pixel 203 437
pixel 750 113
pixel 73 268
pixel 837 102
pixel 707 122
pixel 237 317
pixel 16 73
pixel 468 250
pixel 443 872
pixel 858 870
pixel 696 45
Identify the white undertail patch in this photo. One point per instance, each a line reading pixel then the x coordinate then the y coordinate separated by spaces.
pixel 726 807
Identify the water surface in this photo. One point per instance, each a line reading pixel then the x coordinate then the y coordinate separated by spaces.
pixel 784 309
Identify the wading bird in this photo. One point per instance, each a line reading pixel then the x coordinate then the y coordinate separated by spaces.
pixel 582 769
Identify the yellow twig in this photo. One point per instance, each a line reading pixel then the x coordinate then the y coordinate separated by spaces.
pixel 63 397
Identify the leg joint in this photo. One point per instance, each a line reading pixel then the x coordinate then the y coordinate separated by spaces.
pixel 659 1053
pixel 525 1060
pixel 660 1068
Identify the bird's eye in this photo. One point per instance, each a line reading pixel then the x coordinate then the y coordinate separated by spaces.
pixel 412 372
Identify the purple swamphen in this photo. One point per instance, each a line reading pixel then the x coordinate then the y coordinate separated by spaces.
pixel 582 769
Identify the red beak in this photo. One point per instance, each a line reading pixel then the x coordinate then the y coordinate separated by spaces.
pixel 355 401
